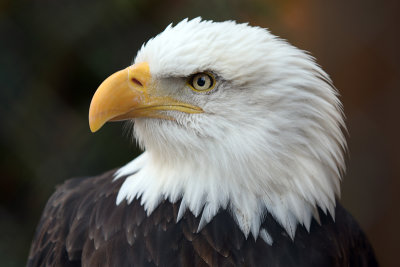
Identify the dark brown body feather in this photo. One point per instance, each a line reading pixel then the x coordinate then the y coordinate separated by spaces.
pixel 82 226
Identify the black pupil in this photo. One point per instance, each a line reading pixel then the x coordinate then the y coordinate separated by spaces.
pixel 201 81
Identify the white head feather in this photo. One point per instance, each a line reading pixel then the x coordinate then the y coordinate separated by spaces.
pixel 270 139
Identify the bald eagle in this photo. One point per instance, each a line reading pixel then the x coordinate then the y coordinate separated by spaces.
pixel 243 155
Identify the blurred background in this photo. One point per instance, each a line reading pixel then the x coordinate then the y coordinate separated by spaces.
pixel 54 54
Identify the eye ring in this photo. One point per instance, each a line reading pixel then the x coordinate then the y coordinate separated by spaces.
pixel 202 82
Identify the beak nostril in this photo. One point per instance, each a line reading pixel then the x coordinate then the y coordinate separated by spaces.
pixel 136 81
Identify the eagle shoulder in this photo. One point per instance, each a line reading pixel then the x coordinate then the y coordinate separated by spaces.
pixel 82 226
pixel 74 220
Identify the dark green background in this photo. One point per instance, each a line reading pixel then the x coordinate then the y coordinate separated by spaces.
pixel 54 54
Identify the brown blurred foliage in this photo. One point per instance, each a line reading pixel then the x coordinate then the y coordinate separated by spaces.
pixel 54 54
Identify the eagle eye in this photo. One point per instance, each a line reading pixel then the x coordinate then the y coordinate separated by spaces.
pixel 202 82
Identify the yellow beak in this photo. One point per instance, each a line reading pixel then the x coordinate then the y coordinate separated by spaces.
pixel 126 95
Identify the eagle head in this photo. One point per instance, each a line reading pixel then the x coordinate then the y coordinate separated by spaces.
pixel 229 117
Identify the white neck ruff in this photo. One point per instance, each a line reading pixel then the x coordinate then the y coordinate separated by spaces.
pixel 287 190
